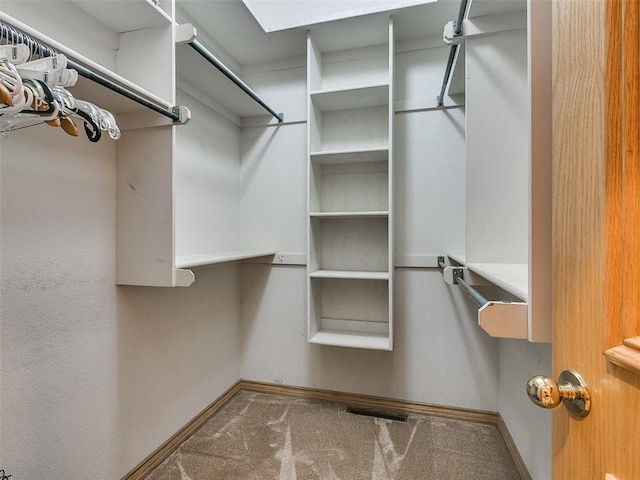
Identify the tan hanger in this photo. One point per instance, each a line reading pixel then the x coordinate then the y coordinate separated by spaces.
pixel 69 126
pixel 5 95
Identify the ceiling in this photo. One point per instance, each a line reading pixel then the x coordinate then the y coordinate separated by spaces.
pixel 275 15
pixel 231 30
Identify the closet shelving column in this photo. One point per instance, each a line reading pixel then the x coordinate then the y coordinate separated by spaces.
pixel 508 139
pixel 145 229
pixel 350 196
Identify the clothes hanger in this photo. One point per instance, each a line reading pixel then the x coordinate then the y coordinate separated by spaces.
pixel 34 89
pixel 5 96
pixel 67 106
pixel 88 113
pixel 11 82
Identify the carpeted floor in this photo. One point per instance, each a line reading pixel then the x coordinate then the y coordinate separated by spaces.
pixel 258 437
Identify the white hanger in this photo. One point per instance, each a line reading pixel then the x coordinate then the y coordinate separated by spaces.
pixel 16 54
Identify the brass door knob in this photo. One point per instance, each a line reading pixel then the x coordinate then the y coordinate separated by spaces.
pixel 571 389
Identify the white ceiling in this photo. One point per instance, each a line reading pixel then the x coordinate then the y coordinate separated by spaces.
pixel 230 29
pixel 275 15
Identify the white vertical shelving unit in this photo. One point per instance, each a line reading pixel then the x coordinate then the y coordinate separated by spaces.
pixel 508 115
pixel 350 195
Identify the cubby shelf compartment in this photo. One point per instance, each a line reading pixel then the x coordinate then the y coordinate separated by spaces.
pixel 357 244
pixel 361 128
pixel 357 97
pixel 352 187
pixel 350 309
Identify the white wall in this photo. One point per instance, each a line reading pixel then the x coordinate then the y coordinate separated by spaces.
pixel 94 377
pixel 529 425
pixel 437 350
pixel 206 182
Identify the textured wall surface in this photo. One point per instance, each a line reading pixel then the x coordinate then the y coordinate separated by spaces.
pixel 94 377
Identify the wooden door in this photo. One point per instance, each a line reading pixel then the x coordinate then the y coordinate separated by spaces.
pixel 596 234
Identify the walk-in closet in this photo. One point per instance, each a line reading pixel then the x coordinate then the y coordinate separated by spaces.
pixel 198 193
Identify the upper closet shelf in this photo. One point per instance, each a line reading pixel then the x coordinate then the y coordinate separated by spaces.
pixel 95 83
pixel 511 277
pixel 139 14
pixel 347 98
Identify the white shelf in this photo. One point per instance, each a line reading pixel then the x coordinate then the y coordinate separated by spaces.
pixel 511 277
pixel 340 338
pixel 458 258
pixel 508 145
pixel 350 275
pixel 350 193
pixel 192 261
pixel 483 8
pixel 363 155
pixel 372 214
pixel 89 90
pixel 120 18
pixel 357 97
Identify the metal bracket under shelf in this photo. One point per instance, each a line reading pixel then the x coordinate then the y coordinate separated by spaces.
pixel 497 318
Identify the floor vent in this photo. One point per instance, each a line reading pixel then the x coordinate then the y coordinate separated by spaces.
pixel 398 417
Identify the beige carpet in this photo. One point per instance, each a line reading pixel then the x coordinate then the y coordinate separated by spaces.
pixel 258 436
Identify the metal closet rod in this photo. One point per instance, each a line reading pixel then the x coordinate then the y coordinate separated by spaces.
pixel 472 292
pixel 469 290
pixel 213 60
pixel 11 34
pixel 457 30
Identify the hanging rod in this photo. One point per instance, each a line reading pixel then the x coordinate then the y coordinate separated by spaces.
pixel 213 60
pixel 472 292
pixel 457 31
pixel 457 276
pixel 216 62
pixel 10 33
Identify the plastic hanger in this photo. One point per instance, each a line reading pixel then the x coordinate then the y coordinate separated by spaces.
pixel 16 53
pixel 5 96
